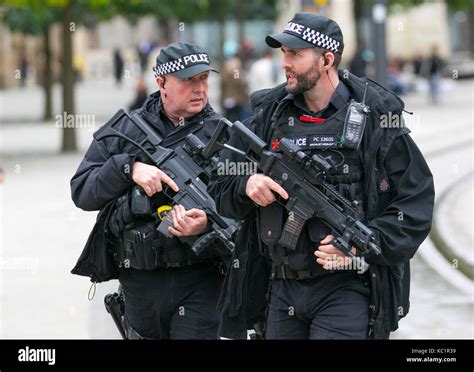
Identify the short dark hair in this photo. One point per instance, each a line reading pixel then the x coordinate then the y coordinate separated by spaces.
pixel 318 51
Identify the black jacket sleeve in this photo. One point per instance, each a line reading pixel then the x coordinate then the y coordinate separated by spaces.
pixel 229 191
pixel 103 175
pixel 405 221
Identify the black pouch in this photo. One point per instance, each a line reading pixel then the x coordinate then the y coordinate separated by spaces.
pixel 270 224
pixel 138 249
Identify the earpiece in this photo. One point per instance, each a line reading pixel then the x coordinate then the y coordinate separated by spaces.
pixel 326 61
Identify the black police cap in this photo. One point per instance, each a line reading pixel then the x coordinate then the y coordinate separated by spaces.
pixel 182 60
pixel 308 30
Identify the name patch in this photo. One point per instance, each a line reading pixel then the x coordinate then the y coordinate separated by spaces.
pixel 313 141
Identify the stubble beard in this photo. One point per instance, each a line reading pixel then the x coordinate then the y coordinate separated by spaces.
pixel 304 81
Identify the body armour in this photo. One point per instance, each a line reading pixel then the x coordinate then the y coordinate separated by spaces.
pixel 323 138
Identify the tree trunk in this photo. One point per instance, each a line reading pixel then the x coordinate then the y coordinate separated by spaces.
pixel 69 134
pixel 48 109
pixel 362 9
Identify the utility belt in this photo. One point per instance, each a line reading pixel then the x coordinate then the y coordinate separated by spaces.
pixel 143 248
pixel 285 272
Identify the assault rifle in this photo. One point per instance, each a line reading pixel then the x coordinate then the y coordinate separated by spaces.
pixel 189 168
pixel 310 196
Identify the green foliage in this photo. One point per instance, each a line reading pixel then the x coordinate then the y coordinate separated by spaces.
pixel 31 16
pixel 453 5
pixel 250 9
pixel 406 3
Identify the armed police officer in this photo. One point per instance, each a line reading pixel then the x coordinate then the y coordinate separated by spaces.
pixel 170 292
pixel 316 291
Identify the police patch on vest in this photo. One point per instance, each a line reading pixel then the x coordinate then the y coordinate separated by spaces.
pixel 323 141
pixel 312 141
pixel 275 144
pixel 384 186
pixel 301 141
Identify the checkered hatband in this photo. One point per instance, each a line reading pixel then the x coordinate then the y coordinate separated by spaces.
pixel 168 67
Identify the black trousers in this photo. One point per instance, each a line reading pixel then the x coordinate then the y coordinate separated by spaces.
pixel 173 303
pixel 332 306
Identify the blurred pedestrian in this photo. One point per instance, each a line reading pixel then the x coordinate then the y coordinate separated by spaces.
pixel 23 70
pixel 118 66
pixel 434 66
pixel 141 94
pixel 144 49
pixel 417 63
pixel 79 68
pixel 394 72
pixel 246 53
pixel 234 92
pixel 358 64
pixel 263 72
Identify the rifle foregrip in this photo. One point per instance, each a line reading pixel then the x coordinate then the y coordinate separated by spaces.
pixel 204 241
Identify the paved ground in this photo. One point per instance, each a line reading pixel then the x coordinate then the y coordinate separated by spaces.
pixel 42 232
pixel 445 134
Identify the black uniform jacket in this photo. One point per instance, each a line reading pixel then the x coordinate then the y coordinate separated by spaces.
pixel 105 173
pixel 398 198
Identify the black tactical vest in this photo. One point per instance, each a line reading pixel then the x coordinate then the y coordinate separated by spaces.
pixel 323 138
pixel 142 247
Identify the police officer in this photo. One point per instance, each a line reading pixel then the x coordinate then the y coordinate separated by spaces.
pixel 315 291
pixel 169 291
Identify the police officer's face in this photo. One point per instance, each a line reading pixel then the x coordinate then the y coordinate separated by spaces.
pixel 301 68
pixel 185 97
